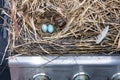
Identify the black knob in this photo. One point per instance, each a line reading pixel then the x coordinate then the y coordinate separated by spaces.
pixel 41 76
pixel 81 76
pixel 116 76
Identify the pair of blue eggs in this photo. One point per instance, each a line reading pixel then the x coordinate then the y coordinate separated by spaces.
pixel 47 28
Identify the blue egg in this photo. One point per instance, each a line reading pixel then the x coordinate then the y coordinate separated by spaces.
pixel 50 28
pixel 44 27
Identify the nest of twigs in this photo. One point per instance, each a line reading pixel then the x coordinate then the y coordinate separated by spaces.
pixel 78 25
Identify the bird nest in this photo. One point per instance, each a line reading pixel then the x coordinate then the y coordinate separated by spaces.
pixel 78 26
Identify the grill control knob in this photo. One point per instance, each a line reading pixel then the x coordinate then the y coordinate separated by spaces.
pixel 41 76
pixel 81 76
pixel 116 76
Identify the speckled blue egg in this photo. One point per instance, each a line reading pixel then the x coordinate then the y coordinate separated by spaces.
pixel 50 28
pixel 44 27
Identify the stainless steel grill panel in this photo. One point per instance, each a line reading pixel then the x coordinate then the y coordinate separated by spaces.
pixel 64 67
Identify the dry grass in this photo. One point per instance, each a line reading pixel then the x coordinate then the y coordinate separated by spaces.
pixel 77 24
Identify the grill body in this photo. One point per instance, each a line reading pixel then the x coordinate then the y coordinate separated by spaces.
pixel 64 67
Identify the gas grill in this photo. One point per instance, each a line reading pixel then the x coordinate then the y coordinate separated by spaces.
pixel 65 68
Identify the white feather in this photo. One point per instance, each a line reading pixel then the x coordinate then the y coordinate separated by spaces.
pixel 102 35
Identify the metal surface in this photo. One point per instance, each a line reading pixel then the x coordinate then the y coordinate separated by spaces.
pixel 116 76
pixel 41 76
pixel 81 76
pixel 64 67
